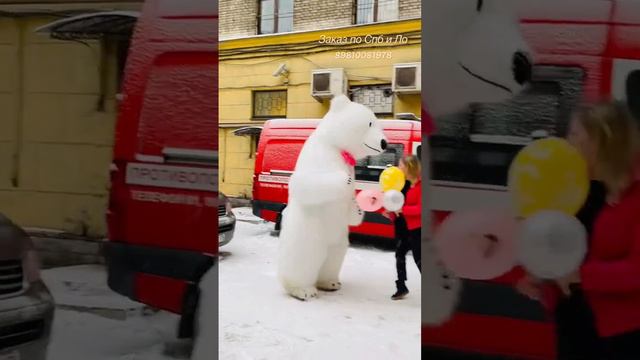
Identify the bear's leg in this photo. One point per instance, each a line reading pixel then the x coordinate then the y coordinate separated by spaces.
pixel 329 278
pixel 299 266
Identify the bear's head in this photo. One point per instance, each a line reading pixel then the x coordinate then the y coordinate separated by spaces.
pixel 353 128
pixel 473 51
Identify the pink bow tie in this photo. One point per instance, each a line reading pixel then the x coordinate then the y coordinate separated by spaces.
pixel 348 158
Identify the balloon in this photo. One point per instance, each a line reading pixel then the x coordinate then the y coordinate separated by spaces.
pixel 393 200
pixel 478 244
pixel 548 174
pixel 369 200
pixel 441 287
pixel 552 244
pixel 392 178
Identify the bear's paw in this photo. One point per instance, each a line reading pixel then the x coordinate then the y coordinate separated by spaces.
pixel 304 293
pixel 329 285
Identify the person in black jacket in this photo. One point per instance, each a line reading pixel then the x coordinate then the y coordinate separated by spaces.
pixel 576 334
pixel 406 240
pixel 402 248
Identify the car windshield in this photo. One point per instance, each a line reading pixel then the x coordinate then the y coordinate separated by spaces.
pixel 369 168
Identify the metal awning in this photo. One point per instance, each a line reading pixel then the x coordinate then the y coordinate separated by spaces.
pixel 248 131
pixel 92 26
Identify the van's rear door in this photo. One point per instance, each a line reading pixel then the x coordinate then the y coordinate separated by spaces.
pixel 163 206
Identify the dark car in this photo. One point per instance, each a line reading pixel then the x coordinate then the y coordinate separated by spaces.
pixel 226 221
pixel 26 306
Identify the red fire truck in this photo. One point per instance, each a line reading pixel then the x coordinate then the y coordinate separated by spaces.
pixel 584 50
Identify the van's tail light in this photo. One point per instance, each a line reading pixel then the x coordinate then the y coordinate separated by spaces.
pixel 254 186
pixel 114 212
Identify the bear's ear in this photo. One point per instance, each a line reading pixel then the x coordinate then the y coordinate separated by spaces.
pixel 339 102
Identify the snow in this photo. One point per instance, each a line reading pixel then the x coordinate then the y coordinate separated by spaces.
pixel 257 320
pixel 83 336
pixel 79 333
pixel 84 286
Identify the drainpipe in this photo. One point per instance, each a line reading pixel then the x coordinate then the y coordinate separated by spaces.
pixel 20 92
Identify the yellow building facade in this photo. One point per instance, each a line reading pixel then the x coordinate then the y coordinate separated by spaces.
pixel 367 53
pixel 58 113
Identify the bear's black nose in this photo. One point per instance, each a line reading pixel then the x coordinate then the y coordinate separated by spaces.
pixel 383 144
pixel 522 68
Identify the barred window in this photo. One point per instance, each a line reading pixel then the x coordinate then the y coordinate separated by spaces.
pixel 377 98
pixel 269 104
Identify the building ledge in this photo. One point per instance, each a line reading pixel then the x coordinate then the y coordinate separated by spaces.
pixel 314 36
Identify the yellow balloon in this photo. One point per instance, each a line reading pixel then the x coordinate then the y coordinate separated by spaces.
pixel 549 174
pixel 392 178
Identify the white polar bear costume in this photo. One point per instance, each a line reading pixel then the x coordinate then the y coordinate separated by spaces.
pixel 473 51
pixel 321 206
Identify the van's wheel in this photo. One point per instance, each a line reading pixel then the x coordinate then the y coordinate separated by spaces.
pixel 278 222
pixel 276 229
pixel 182 348
pixel 186 328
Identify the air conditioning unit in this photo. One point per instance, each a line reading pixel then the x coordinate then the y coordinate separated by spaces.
pixel 407 78
pixel 327 83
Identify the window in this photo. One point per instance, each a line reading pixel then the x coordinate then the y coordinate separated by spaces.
pixel 370 11
pixel 269 104
pixel 276 16
pixel 625 83
pixel 378 98
pixel 633 92
pixel 370 168
pixel 477 146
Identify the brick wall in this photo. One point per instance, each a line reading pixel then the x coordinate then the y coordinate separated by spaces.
pixel 237 18
pixel 409 9
pixel 321 14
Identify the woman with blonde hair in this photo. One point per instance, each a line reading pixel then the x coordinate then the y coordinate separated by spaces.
pixel 597 309
pixel 408 222
pixel 610 275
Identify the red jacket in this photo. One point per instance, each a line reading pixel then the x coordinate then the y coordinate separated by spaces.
pixel 611 273
pixel 412 209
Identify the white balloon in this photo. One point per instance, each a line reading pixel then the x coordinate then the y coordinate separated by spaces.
pixel 552 244
pixel 393 200
pixel 441 289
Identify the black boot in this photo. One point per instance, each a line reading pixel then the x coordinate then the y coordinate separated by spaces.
pixel 401 291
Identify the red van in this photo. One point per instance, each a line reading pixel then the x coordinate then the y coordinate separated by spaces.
pixel 585 50
pixel 163 204
pixel 278 149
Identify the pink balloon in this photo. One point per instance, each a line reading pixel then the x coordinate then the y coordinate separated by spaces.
pixel 478 245
pixel 370 200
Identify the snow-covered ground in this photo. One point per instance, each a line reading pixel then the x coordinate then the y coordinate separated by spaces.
pixel 78 333
pixel 259 321
pixel 84 336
